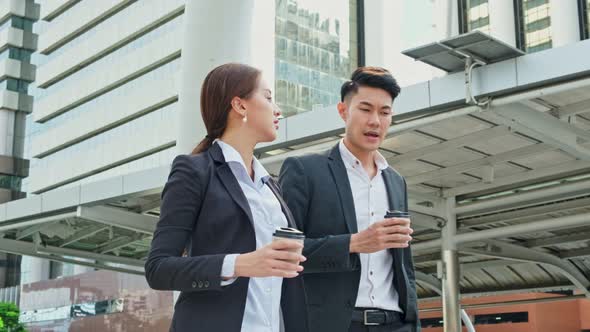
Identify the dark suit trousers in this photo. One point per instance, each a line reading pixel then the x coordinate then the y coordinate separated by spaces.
pixel 394 327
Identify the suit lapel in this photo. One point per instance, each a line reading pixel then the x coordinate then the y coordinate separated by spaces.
pixel 230 182
pixel 394 198
pixel 275 190
pixel 343 188
pixel 396 201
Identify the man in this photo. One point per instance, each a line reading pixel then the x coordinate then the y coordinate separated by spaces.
pixel 359 274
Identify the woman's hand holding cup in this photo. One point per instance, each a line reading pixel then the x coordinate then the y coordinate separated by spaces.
pixel 280 258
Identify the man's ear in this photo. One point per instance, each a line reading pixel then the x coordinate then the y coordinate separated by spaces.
pixel 343 110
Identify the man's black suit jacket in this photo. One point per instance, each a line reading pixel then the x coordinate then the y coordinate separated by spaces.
pixel 317 190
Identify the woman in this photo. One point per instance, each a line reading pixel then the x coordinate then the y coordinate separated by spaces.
pixel 221 206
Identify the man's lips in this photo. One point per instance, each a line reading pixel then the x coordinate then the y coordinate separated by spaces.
pixel 372 134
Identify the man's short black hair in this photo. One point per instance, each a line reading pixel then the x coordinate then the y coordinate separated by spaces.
pixel 375 77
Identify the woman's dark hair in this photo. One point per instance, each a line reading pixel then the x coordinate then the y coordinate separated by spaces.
pixel 221 85
pixel 375 77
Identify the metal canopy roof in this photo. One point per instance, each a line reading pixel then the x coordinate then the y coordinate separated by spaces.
pixel 519 171
pixel 450 54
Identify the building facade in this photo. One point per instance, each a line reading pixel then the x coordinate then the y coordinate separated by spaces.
pixel 17 44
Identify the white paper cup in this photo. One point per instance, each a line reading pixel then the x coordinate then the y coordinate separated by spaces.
pixel 290 234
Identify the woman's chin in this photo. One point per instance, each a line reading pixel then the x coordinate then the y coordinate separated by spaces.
pixel 268 137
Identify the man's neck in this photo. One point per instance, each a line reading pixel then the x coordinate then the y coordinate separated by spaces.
pixel 367 158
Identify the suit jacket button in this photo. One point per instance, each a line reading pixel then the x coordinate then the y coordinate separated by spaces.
pixel 206 284
pixel 194 284
pixel 200 284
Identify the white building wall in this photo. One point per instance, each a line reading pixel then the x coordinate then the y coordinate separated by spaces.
pixel 81 16
pixel 502 22
pixel 117 30
pixel 565 28
pixel 117 113
pixel 394 26
pixel 52 8
pixel 154 92
pixel 110 75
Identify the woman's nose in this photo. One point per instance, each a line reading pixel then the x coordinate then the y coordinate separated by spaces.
pixel 277 111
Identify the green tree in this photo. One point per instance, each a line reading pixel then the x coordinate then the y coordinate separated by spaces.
pixel 9 313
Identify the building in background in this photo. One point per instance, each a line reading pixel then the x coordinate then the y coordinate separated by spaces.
pixel 317 47
pixel 107 104
pixel 534 313
pixel 17 43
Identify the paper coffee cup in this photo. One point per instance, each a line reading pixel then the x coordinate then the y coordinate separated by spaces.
pixel 397 214
pixel 291 234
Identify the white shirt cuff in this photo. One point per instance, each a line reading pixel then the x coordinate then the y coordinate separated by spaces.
pixel 228 269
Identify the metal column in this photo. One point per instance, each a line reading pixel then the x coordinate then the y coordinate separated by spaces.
pixel 450 271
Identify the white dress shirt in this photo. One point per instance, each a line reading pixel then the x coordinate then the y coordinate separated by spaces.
pixel 376 289
pixel 263 302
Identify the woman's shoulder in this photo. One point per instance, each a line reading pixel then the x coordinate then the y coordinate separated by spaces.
pixel 195 163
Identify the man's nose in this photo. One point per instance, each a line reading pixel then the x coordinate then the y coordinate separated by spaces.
pixel 374 118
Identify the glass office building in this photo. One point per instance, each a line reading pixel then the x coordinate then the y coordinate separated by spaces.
pixel 317 47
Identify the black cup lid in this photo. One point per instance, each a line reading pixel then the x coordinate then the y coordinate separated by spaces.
pixel 289 233
pixel 397 214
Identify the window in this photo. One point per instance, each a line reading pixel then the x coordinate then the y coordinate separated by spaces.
pixel 317 48
pixel 10 182
pixel 534 25
pixel 474 15
pixel 16 54
pixel 500 318
pixel 14 85
pixel 431 322
pixel 510 317
pixel 584 11
pixel 17 22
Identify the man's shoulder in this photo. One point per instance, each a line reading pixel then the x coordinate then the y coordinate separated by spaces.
pixel 395 177
pixel 311 159
pixel 393 172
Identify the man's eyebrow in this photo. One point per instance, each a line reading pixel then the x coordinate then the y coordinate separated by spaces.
pixel 366 103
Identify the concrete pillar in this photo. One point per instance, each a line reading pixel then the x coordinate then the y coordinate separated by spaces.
pixel 565 27
pixel 395 26
pixel 34 269
pixel 217 32
pixel 446 18
pixel 3 269
pixel 502 24
pixel 450 271
pixel 7 121
pixel 380 24
pixel 79 269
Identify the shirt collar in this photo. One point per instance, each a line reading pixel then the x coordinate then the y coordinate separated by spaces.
pixel 349 159
pixel 231 155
